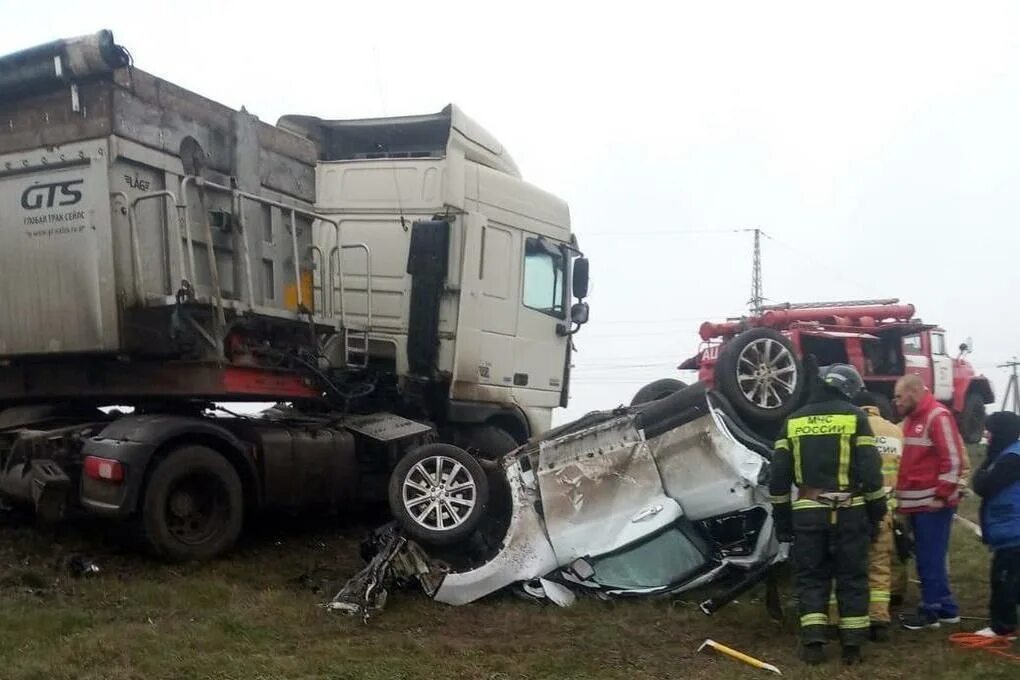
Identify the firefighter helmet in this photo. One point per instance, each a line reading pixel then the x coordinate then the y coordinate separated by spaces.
pixel 843 378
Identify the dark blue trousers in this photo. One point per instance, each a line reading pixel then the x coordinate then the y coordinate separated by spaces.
pixel 931 538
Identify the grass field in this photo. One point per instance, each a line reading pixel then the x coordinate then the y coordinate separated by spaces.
pixel 253 616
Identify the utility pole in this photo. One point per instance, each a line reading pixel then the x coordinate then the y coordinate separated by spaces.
pixel 1012 388
pixel 757 301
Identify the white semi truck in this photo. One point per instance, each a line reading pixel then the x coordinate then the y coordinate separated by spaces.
pixel 398 289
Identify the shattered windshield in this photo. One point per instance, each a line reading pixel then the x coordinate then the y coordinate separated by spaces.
pixel 664 559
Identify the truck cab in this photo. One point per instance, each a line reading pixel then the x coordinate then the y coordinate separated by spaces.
pixel 473 270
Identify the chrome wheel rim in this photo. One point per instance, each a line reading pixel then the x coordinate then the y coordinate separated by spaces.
pixel 766 373
pixel 439 493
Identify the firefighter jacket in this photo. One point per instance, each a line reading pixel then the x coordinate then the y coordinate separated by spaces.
pixel 933 459
pixel 828 449
pixel 889 442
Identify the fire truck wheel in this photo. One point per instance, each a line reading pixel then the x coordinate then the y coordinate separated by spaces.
pixel 193 506
pixel 972 419
pixel 759 372
pixel 438 494
pixel 487 442
pixel 656 390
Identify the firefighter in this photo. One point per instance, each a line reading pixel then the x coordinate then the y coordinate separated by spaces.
pixel 828 455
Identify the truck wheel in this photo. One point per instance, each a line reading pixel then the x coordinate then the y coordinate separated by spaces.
pixel 438 494
pixel 972 419
pixel 193 506
pixel 488 442
pixel 759 372
pixel 656 390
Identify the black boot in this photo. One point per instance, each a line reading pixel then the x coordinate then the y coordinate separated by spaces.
pixel 851 655
pixel 813 653
pixel 879 632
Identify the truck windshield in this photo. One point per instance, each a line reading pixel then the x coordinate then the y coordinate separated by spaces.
pixel 544 272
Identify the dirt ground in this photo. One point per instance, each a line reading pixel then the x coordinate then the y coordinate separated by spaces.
pixel 257 614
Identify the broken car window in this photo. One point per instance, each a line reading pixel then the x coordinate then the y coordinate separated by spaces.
pixel 661 560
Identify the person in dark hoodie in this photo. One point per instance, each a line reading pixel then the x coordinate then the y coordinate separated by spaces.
pixel 997 482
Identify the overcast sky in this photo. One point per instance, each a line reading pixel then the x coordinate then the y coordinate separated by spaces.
pixel 877 143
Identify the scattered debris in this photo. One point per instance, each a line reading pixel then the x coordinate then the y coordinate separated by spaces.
pixel 739 656
pixel 396 560
pixel 969 525
pixel 83 567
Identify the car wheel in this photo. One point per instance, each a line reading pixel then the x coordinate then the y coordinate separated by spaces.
pixel 656 390
pixel 972 419
pixel 438 493
pixel 193 506
pixel 759 372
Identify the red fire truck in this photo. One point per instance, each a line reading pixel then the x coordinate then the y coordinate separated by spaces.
pixel 757 362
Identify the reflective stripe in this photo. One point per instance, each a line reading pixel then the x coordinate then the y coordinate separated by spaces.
pixel 953 476
pixel 807 504
pixel 843 479
pixel 916 493
pixel 854 622
pixel 920 503
pixel 814 620
pixel 865 441
pixel 917 441
pixel 879 596
pixel 890 469
pixel 874 495
pixel 798 473
pixel 783 444
pixel 785 498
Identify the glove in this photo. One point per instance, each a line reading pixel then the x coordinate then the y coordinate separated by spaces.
pixel 903 541
pixel 782 515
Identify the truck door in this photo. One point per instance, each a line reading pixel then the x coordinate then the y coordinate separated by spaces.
pixel 543 309
pixel 942 364
pixel 916 359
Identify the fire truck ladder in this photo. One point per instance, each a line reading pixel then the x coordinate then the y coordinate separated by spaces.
pixel 843 303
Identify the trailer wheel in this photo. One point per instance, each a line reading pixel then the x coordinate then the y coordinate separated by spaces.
pixel 656 390
pixel 439 494
pixel 972 419
pixel 759 372
pixel 193 506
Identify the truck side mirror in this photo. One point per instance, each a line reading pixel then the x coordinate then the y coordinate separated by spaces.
pixel 579 313
pixel 580 280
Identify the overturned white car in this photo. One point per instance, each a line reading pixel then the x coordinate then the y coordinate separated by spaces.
pixel 650 499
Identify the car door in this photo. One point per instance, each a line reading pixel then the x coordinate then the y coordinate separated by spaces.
pixel 601 491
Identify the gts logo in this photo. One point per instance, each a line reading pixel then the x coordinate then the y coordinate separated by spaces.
pixel 49 195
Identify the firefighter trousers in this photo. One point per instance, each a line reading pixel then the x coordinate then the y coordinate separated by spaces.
pixel 832 545
pixel 886 577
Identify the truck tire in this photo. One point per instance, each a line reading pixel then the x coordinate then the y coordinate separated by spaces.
pixel 972 418
pixel 193 506
pixel 487 442
pixel 439 494
pixel 656 390
pixel 760 374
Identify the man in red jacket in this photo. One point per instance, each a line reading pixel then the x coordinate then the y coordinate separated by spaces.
pixel 928 491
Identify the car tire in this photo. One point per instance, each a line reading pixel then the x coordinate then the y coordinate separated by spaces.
pixel 736 375
pixel 439 494
pixel 193 507
pixel 656 390
pixel 487 442
pixel 972 419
